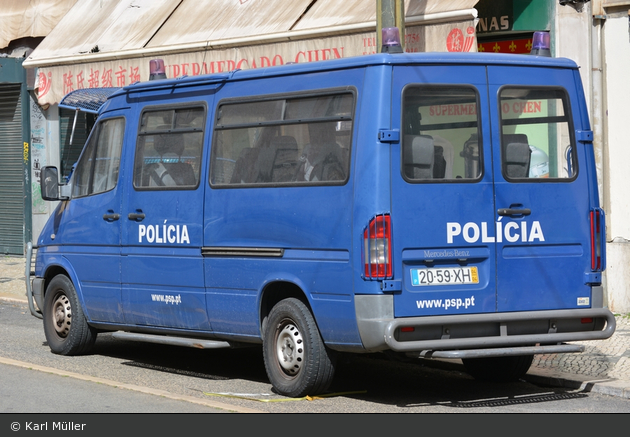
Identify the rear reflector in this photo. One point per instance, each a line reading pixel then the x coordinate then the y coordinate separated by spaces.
pixel 598 231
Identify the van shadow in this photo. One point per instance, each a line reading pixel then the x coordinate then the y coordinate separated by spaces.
pixel 211 364
pixel 416 383
pixel 374 378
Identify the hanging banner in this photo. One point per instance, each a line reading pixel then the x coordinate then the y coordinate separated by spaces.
pixel 55 82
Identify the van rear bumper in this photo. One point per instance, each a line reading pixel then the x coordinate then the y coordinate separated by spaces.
pixel 517 333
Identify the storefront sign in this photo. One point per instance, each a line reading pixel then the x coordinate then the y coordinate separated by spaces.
pixel 55 82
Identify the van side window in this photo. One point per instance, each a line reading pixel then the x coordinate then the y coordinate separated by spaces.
pixel 168 149
pixel 97 168
pixel 535 134
pixel 291 140
pixel 440 134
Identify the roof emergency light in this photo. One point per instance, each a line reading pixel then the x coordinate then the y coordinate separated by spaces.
pixel 156 69
pixel 541 44
pixel 391 40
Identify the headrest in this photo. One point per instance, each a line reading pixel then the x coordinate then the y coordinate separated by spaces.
pixel 284 142
pixel 169 143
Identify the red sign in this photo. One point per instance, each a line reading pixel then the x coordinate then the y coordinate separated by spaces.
pixel 506 46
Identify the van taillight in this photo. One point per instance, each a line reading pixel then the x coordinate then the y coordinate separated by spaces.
pixel 597 239
pixel 377 248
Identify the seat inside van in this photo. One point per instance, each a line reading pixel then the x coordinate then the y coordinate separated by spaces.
pixel 418 156
pixel 171 170
pixel 516 155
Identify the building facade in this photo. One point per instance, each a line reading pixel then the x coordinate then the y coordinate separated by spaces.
pixel 102 46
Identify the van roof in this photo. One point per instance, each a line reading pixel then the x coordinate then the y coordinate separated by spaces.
pixel 424 58
pixel 367 60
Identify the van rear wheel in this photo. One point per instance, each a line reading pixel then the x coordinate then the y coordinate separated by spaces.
pixel 65 326
pixel 296 360
pixel 498 369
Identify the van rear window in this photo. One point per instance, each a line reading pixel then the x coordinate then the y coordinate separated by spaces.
pixel 290 140
pixel 535 135
pixel 441 140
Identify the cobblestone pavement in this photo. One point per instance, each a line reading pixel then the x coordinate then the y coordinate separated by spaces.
pixel 603 367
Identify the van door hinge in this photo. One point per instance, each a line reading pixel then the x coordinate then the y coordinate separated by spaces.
pixel 391 285
pixel 591 278
pixel 584 136
pixel 389 136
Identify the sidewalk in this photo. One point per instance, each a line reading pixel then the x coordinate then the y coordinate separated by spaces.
pixel 604 366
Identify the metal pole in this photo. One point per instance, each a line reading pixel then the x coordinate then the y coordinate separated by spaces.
pixel 390 13
pixel 400 21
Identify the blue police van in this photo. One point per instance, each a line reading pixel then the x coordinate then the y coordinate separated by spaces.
pixel 431 205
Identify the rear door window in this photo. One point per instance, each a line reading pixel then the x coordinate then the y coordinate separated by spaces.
pixel 441 140
pixel 535 135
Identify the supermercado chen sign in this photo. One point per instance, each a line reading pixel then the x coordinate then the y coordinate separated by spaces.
pixel 55 82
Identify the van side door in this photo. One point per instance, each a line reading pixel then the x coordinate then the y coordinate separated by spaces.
pixel 90 223
pixel 162 268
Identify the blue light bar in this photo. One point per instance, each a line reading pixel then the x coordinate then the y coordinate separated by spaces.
pixel 391 40
pixel 541 44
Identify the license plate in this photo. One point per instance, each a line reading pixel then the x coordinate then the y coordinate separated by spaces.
pixel 444 276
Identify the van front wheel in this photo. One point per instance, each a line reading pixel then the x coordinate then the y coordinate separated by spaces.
pixel 65 326
pixel 498 369
pixel 296 359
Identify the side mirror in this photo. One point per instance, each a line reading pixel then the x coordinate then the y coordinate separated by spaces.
pixel 49 184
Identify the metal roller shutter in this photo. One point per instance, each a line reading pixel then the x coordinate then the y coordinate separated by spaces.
pixel 11 171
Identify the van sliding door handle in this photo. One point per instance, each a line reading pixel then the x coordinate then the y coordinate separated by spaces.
pixel 137 216
pixel 514 211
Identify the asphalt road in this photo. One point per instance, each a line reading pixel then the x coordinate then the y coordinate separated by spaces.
pixel 147 378
pixel 42 392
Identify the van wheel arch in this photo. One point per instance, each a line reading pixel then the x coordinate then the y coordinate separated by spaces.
pixel 50 274
pixel 274 293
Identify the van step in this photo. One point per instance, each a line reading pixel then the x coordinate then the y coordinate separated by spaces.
pixel 175 341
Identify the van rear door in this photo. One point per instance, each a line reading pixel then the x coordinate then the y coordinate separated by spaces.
pixel 542 190
pixel 442 198
pixel 497 220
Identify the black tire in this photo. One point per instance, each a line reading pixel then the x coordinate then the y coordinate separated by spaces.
pixel 65 325
pixel 498 369
pixel 297 361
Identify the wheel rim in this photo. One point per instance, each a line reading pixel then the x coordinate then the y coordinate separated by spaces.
pixel 61 315
pixel 290 349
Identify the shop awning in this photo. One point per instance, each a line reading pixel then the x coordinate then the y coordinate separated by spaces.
pixel 109 43
pixel 34 18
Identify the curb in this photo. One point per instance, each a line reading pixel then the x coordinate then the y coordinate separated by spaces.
pixel 585 383
pixel 544 377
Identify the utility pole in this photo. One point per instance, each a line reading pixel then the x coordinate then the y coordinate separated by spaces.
pixel 390 13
